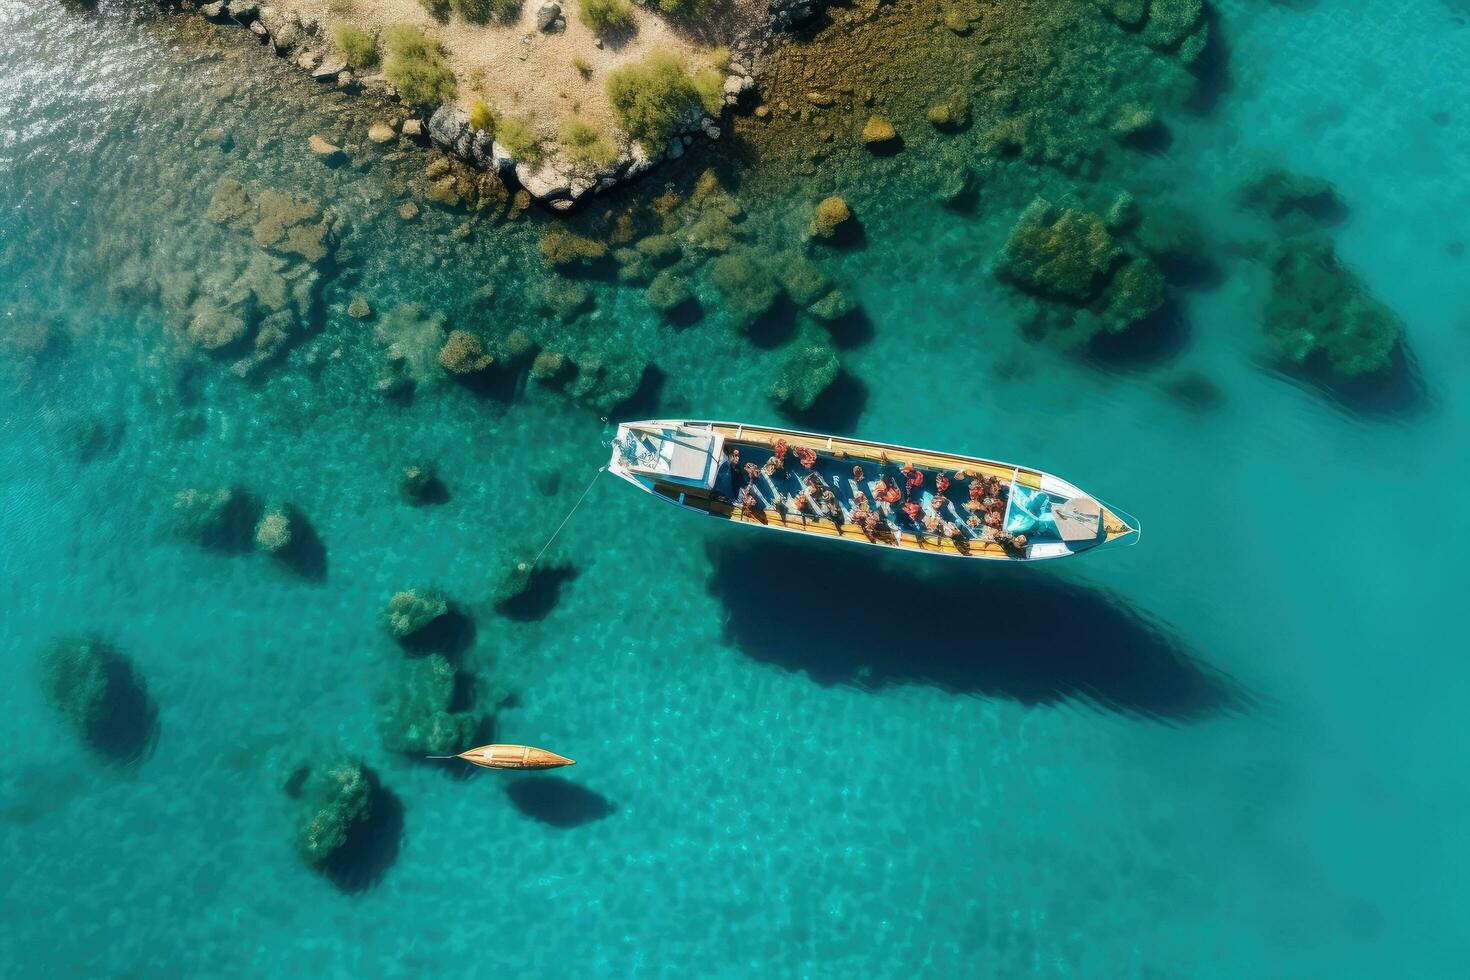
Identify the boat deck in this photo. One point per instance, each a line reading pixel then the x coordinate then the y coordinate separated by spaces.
pixel 835 461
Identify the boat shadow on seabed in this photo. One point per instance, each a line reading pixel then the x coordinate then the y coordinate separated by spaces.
pixel 1017 633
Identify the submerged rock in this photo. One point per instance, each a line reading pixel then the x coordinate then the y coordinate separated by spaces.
pixel 419 714
pixel 419 483
pixel 604 384
pixel 550 367
pixel 747 285
pixel 1320 311
pixel 668 292
pixel 213 328
pixel 809 369
pixel 879 135
pixel 463 354
pixel 414 610
pixel 566 298
pixel 359 309
pixel 1063 253
pixel 273 532
pixel 222 519
pixel 514 579
pixel 1281 194
pixel 99 693
pixel 832 307
pixel 804 280
pixel 1069 257
pixel 565 250
pixel 831 218
pixel 661 250
pixel 334 796
pixel 952 114
pixel 324 149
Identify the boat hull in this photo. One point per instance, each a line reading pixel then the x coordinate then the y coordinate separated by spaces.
pixel 514 757
pixel 835 459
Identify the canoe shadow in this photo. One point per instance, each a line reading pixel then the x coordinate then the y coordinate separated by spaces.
pixel 558 802
pixel 1017 633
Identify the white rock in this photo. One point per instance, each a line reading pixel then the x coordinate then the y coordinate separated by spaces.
pixel 544 181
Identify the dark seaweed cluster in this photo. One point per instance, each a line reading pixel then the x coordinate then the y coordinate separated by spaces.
pixel 101 695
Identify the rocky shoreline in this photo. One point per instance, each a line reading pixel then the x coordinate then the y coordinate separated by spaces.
pixel 553 181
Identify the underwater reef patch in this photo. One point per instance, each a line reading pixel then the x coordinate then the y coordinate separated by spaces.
pixel 1089 281
pixel 100 694
pixel 1320 313
pixel 424 709
pixel 344 823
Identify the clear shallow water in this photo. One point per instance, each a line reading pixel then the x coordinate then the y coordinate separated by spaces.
pixel 1224 752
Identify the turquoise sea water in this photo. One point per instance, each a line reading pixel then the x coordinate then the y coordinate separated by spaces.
pixel 1234 750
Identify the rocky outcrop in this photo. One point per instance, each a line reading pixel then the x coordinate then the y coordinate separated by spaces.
pixel 555 182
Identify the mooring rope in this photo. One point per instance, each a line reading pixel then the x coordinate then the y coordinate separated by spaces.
pixel 564 520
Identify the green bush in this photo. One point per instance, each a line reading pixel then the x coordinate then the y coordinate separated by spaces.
pixel 415 65
pixel 357 47
pixel 583 66
pixel 483 11
pixel 475 11
pixel 606 16
pixel 438 9
pixel 482 117
pixel 653 98
pixel 683 8
pixel 519 137
pixel 710 85
pixel 584 143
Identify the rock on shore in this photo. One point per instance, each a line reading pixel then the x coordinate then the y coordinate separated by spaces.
pixel 555 182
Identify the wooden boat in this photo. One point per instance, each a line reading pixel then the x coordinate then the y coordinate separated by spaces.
pixel 807 483
pixel 514 757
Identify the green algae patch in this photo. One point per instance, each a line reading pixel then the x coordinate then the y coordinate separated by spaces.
pixel 412 611
pixel 1320 312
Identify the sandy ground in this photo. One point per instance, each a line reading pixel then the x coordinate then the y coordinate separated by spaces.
pixel 515 67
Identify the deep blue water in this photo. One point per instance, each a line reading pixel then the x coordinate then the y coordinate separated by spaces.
pixel 1234 750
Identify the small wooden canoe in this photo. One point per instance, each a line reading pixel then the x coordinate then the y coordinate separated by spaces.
pixel 514 757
